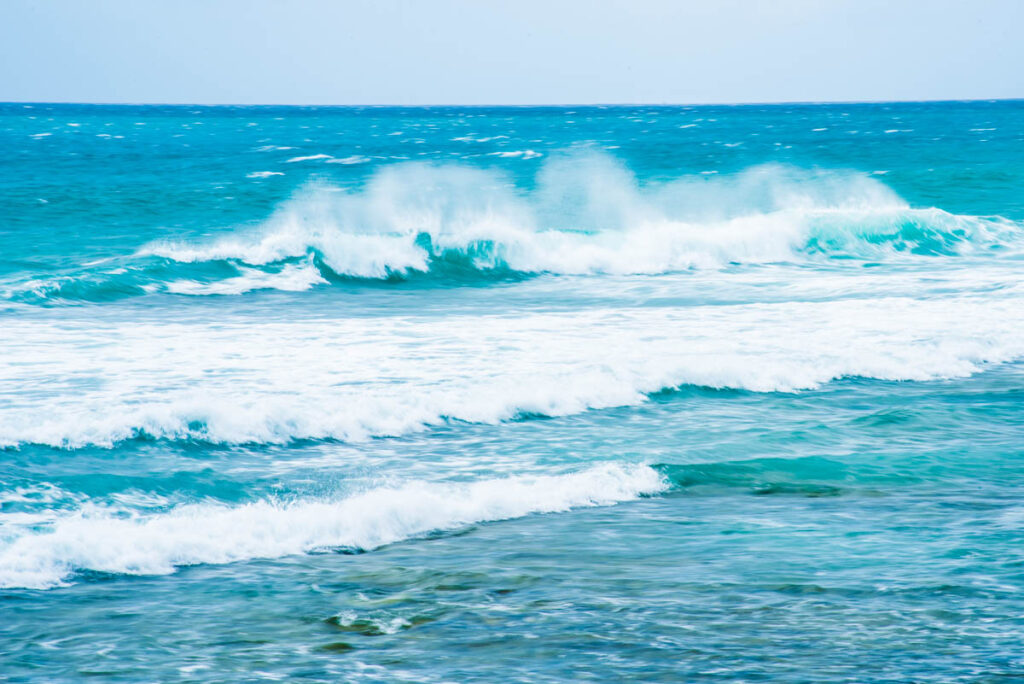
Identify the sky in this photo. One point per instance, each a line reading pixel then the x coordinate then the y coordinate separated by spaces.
pixel 406 52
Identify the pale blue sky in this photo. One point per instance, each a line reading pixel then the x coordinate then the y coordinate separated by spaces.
pixel 521 52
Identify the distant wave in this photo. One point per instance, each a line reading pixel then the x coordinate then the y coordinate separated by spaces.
pixel 589 215
pixel 586 215
pixel 125 542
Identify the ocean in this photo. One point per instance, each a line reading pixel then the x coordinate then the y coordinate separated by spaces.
pixel 509 394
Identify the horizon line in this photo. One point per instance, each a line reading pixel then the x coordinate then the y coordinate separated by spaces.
pixel 750 103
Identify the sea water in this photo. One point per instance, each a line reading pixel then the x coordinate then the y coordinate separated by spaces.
pixel 512 394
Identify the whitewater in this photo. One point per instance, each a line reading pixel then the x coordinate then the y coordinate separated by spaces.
pixel 345 389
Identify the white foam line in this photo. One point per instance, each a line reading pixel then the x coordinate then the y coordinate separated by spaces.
pixel 105 541
pixel 247 381
pixel 310 157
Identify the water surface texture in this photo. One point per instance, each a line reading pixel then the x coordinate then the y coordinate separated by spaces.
pixel 512 394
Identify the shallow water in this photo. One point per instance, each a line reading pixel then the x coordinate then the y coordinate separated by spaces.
pixel 527 394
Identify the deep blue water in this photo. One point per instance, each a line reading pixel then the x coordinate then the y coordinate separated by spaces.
pixel 512 394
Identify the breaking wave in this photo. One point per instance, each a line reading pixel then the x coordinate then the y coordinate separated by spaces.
pixel 352 379
pixel 104 540
pixel 113 539
pixel 584 215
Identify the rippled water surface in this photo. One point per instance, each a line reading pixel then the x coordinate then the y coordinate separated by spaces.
pixel 512 394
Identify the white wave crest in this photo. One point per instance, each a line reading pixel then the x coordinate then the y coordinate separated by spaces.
pixel 308 157
pixel 106 540
pixel 93 382
pixel 352 159
pixel 588 215
pixel 291 278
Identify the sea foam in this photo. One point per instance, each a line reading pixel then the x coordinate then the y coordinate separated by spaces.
pixel 76 381
pixel 583 215
pixel 589 215
pixel 124 542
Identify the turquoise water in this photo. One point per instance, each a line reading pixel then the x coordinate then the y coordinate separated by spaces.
pixel 512 394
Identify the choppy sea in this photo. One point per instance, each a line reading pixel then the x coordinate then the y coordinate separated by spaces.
pixel 512 394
